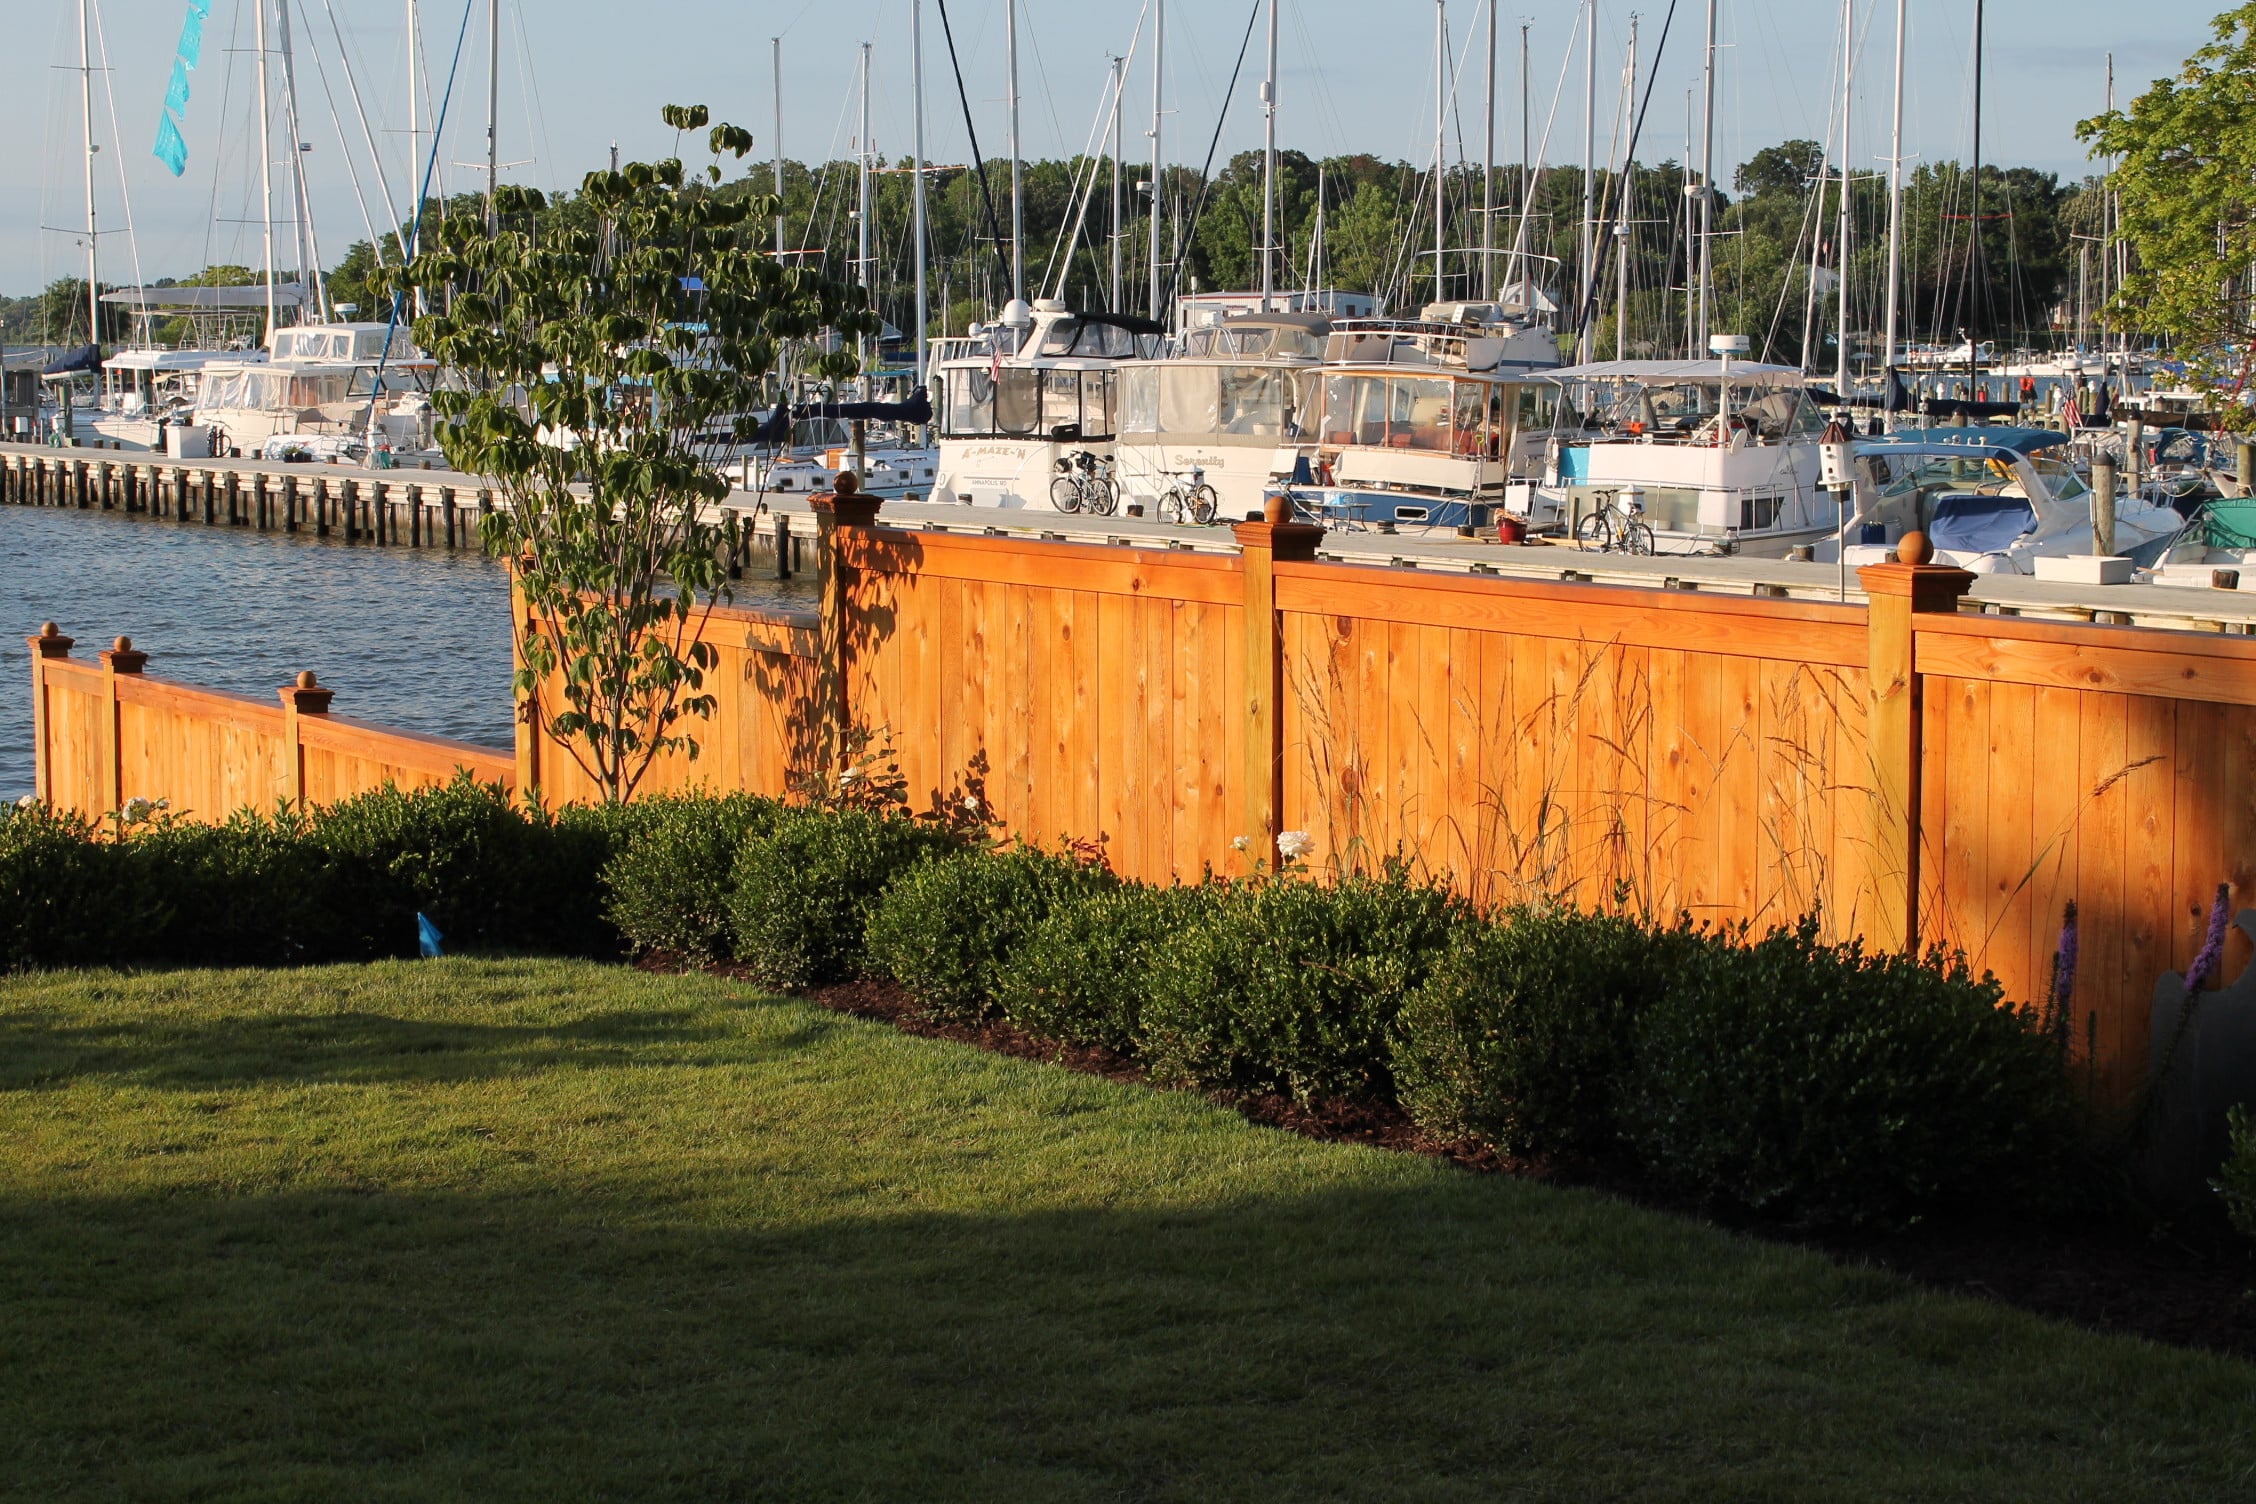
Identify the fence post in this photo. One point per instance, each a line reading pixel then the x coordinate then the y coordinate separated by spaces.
pixel 305 697
pixel 1261 545
pixel 50 643
pixel 528 740
pixel 121 658
pixel 1896 593
pixel 844 507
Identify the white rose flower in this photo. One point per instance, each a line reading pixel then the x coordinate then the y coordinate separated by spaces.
pixel 1295 844
pixel 136 810
pixel 28 801
pixel 850 775
pixel 1241 843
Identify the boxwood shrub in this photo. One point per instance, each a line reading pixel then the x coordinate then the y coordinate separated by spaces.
pixel 1291 985
pixel 944 929
pixel 2236 1181
pixel 1819 1084
pixel 1083 976
pixel 667 886
pixel 1522 1036
pixel 804 891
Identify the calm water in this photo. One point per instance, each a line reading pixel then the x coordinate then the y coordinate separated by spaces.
pixel 418 640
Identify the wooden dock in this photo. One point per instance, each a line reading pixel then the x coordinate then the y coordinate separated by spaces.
pixel 441 508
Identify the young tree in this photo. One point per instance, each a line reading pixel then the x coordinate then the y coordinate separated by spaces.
pixel 607 354
pixel 2187 181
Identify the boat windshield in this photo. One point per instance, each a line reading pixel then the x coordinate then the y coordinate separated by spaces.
pixel 1072 337
pixel 1021 402
pixel 1432 412
pixel 1194 400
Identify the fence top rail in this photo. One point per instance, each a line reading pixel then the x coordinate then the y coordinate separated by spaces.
pixel 2085 634
pixel 1699 621
pixel 1106 569
pixel 340 733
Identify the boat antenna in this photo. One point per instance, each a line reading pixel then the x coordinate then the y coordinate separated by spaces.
pixel 978 160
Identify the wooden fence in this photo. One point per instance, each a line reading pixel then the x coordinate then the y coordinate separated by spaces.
pixel 106 733
pixel 1912 773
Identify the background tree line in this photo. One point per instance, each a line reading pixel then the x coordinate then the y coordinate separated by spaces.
pixel 1363 224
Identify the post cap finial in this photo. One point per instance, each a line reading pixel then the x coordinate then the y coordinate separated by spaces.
pixel 49 629
pixel 847 484
pixel 306 679
pixel 123 645
pixel 1915 549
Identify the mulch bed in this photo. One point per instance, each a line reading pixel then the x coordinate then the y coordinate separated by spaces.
pixel 2188 1288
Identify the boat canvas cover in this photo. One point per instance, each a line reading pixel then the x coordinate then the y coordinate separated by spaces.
pixel 2230 522
pixel 1983 443
pixel 1678 372
pixel 84 358
pixel 1970 522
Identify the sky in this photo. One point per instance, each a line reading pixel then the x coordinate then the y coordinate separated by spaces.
pixel 575 76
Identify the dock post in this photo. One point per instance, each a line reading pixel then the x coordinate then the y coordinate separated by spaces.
pixel 121 658
pixel 452 512
pixel 1897 594
pixel 1261 546
pixel 50 643
pixel 304 697
pixel 782 547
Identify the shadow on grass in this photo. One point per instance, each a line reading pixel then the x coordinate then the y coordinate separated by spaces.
pixel 40 1049
pixel 1451 1339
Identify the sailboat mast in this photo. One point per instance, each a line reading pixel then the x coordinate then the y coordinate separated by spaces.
pixel 493 110
pixel 862 216
pixel 1841 241
pixel 1269 171
pixel 1519 232
pixel 775 53
pixel 1626 191
pixel 266 161
pixel 1018 207
pixel 1119 231
pixel 1589 171
pixel 1488 165
pixel 1977 290
pixel 1707 178
pixel 916 201
pixel 1159 76
pixel 1895 212
pixel 86 110
pixel 308 247
pixel 1441 107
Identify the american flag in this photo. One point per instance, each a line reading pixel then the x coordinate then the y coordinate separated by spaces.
pixel 2071 416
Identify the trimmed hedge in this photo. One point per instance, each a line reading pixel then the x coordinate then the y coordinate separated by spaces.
pixel 1293 986
pixel 2236 1181
pixel 669 884
pixel 1084 974
pixel 945 928
pixel 1819 1084
pixel 804 891
pixel 1525 1031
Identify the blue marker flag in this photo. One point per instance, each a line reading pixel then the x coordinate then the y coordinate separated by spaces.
pixel 176 93
pixel 171 150
pixel 428 937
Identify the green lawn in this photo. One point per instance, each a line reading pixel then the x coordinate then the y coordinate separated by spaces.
pixel 465 1230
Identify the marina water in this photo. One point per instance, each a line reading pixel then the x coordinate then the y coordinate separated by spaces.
pixel 416 639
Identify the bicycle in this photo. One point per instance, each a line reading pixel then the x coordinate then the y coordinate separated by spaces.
pixel 1194 502
pixel 1616 521
pixel 1083 480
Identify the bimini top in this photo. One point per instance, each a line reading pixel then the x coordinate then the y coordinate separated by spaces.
pixel 1987 443
pixel 1677 372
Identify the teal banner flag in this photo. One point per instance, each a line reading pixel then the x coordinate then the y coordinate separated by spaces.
pixel 172 147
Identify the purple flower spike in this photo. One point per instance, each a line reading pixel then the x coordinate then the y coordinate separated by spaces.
pixel 2213 946
pixel 2064 960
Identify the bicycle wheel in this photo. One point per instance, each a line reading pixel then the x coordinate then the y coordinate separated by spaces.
pixel 1204 504
pixel 1636 538
pixel 1595 530
pixel 1104 496
pixel 1065 494
pixel 1169 505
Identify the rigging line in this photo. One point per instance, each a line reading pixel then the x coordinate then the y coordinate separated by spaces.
pixel 528 90
pixel 1095 164
pixel 1206 173
pixel 415 231
pixel 352 168
pixel 1605 246
pixel 1543 148
pixel 978 161
pixel 367 136
pixel 125 192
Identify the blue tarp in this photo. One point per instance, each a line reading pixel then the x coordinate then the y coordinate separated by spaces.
pixel 1969 522
pixel 84 358
pixel 1987 443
